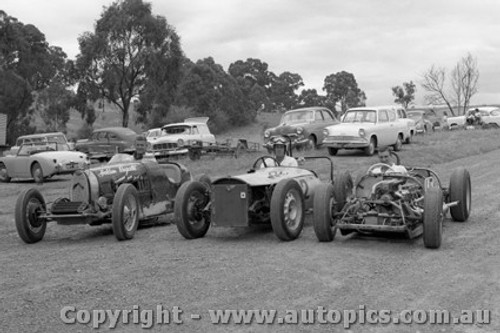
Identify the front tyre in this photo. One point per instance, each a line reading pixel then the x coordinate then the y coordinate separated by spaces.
pixel 190 218
pixel 125 218
pixel 399 144
pixel 332 151
pixel 325 226
pixel 433 217
pixel 287 210
pixel 460 190
pixel 370 150
pixel 29 206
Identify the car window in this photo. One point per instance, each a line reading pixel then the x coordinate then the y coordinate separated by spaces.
pixel 318 116
pixel 174 130
pixel 382 116
pixel 101 136
pixel 359 116
pixel 484 113
pixel 94 136
pixel 392 115
pixel 401 113
pixel 296 117
pixel 194 130
pixel 57 138
pixel 113 136
pixel 327 115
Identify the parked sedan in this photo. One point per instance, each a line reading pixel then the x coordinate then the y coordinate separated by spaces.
pixel 105 142
pixel 423 125
pixel 366 128
pixel 304 125
pixel 40 161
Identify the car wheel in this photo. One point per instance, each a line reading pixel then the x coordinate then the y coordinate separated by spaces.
pixel 29 206
pixel 433 217
pixel 325 226
pixel 37 173
pixel 125 218
pixel 409 138
pixel 311 143
pixel 190 201
pixel 287 210
pixel 460 190
pixel 370 150
pixel 332 151
pixel 4 175
pixel 342 189
pixel 399 144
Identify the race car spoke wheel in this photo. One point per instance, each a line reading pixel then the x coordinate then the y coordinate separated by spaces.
pixel 4 175
pixel 287 210
pixel 433 217
pixel 460 190
pixel 190 202
pixel 125 212
pixel 29 206
pixel 325 226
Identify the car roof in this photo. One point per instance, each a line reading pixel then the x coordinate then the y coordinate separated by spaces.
pixel 39 135
pixel 114 129
pixel 309 108
pixel 484 108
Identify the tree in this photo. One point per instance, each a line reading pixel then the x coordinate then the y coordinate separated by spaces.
pixel 283 87
pixel 130 53
pixel 463 84
pixel 464 79
pixel 53 105
pixel 254 79
pixel 28 65
pixel 405 94
pixel 310 97
pixel 342 88
pixel 212 92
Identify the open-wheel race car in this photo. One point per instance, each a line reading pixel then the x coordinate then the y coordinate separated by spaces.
pixel 279 195
pixel 123 194
pixel 387 201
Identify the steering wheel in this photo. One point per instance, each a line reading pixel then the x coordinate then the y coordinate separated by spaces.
pixel 383 168
pixel 263 159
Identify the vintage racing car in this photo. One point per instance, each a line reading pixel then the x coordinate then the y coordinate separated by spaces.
pixel 278 195
pixel 122 194
pixel 414 203
pixel 41 160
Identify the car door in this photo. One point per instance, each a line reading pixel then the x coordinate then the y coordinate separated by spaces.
pixel 395 126
pixel 115 143
pixel 21 164
pixel 384 129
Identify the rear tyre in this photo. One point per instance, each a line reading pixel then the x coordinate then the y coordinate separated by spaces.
pixel 460 190
pixel 204 179
pixel 190 201
pixel 37 173
pixel 125 218
pixel 409 138
pixel 433 217
pixel 332 151
pixel 325 226
pixel 311 143
pixel 287 210
pixel 370 150
pixel 4 175
pixel 29 206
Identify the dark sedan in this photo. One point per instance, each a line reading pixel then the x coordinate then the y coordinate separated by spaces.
pixel 105 142
pixel 305 126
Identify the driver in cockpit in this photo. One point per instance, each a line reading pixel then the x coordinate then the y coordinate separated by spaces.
pixel 384 156
pixel 280 154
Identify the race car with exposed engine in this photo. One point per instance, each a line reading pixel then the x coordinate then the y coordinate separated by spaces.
pixel 386 201
pixel 123 194
pixel 278 195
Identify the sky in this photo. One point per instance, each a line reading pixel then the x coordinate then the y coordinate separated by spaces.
pixel 382 43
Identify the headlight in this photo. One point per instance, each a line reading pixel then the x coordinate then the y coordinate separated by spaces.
pixel 267 133
pixel 180 142
pixel 361 133
pixel 300 130
pixel 326 132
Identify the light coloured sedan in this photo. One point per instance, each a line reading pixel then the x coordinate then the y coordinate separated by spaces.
pixel 42 160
